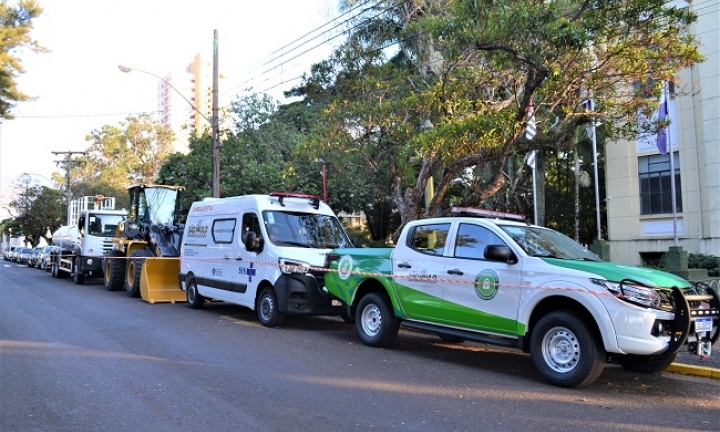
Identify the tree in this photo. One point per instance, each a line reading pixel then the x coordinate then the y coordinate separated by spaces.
pixel 474 68
pixel 15 26
pixel 130 153
pixel 255 159
pixel 37 211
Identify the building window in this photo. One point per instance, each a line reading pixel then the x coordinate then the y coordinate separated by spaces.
pixel 655 188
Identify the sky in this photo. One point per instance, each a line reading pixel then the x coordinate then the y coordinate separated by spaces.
pixel 79 88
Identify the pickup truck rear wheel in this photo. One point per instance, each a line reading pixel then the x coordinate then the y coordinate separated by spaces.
pixel 565 351
pixel 646 364
pixel 267 309
pixel 375 322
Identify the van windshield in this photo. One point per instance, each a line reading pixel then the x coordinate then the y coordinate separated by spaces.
pixel 304 230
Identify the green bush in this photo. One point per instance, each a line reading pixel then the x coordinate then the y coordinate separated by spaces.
pixel 709 262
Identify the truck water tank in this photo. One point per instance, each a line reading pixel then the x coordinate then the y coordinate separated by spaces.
pixel 65 236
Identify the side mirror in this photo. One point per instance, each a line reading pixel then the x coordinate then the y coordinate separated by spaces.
pixel 252 242
pixel 500 253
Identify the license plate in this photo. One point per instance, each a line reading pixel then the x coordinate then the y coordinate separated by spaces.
pixel 703 325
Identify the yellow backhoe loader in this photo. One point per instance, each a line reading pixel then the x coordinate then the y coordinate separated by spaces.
pixel 145 256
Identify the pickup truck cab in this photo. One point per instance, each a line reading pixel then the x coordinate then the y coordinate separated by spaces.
pixel 490 277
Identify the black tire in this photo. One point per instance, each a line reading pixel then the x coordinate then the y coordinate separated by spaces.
pixel 451 338
pixel 375 322
pixel 133 271
pixel 267 309
pixel 78 277
pixel 646 364
pixel 114 270
pixel 565 351
pixel 194 299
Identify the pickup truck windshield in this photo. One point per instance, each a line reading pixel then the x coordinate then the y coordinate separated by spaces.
pixel 546 243
pixel 305 230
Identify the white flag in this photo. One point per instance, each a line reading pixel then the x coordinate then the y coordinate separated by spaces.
pixel 530 129
pixel 530 159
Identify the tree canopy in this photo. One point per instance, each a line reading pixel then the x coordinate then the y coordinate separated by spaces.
pixel 472 70
pixel 15 26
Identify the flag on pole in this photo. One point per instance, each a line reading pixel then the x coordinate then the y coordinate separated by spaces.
pixel 530 158
pixel 530 129
pixel 662 119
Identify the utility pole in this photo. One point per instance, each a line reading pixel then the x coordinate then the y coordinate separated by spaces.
pixel 215 126
pixel 68 162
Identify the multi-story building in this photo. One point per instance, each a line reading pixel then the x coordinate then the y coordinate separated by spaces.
pixel 641 222
pixel 194 84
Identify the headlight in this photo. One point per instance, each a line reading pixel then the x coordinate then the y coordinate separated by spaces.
pixel 637 294
pixel 293 266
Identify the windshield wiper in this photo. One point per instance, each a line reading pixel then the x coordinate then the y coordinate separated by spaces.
pixel 291 243
pixel 548 255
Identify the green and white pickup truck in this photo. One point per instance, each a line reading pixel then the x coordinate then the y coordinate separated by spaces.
pixel 490 277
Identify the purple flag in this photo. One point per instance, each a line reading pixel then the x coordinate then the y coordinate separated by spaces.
pixel 662 118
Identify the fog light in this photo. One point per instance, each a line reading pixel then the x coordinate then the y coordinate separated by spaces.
pixel 89 261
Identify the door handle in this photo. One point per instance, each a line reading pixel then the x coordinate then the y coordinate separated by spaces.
pixel 455 272
pixel 238 258
pixel 404 265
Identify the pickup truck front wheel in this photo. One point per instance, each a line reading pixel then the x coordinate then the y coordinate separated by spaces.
pixel 375 322
pixel 565 351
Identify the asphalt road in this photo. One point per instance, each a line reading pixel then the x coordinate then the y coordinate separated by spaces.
pixel 79 358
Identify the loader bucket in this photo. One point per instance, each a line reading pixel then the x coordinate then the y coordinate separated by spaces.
pixel 159 281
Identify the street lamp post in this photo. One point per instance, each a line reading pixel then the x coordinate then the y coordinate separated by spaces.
pixel 213 122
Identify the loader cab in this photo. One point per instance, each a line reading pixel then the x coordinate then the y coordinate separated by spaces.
pixel 155 204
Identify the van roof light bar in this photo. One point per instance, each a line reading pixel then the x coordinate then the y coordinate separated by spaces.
pixel 478 212
pixel 314 199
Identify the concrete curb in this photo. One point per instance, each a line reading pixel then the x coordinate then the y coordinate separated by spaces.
pixel 694 370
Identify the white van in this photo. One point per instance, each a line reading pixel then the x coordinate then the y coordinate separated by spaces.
pixel 264 252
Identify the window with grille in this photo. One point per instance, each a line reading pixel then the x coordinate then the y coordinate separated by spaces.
pixel 655 184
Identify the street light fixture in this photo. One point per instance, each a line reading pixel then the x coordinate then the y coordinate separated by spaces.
pixel 213 122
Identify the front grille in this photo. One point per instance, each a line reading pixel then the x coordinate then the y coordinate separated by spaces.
pixel 107 245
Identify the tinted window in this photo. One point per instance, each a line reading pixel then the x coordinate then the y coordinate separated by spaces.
pixel 472 240
pixel 429 239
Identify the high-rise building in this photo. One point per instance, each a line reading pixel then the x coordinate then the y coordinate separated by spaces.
pixel 180 89
pixel 642 223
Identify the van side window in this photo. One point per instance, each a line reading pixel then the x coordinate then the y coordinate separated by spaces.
pixel 429 239
pixel 223 230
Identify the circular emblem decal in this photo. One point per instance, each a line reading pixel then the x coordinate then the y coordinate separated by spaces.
pixel 345 267
pixel 486 284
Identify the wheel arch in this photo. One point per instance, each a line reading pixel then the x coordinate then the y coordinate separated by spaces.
pixel 260 287
pixel 186 277
pixel 368 286
pixel 594 315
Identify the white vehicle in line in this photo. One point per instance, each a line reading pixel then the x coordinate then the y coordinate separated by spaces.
pixel 81 245
pixel 491 277
pixel 264 252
